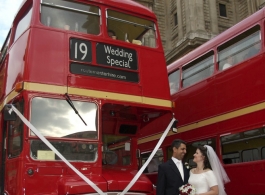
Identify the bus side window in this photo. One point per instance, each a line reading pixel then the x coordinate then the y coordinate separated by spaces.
pixel 192 147
pixel 198 69
pixel 255 46
pixel 154 163
pixel 173 79
pixel 15 134
pixel 4 49
pixel 240 48
pixel 23 24
pixel 263 152
pixel 250 155
pixel 243 147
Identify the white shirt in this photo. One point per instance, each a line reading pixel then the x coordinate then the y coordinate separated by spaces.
pixel 180 166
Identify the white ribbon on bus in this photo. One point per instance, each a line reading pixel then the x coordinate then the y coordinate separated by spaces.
pixel 88 181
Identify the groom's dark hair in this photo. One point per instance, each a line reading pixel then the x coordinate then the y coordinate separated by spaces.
pixel 177 142
pixel 206 162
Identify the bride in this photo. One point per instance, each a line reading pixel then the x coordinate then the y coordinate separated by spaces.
pixel 209 176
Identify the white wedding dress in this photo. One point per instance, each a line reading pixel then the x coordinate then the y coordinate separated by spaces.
pixel 202 182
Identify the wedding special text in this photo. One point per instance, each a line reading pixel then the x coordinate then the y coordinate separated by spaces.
pixel 111 53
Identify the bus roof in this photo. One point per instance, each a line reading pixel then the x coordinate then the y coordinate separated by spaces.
pixel 219 39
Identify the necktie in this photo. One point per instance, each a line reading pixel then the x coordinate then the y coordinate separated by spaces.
pixel 179 165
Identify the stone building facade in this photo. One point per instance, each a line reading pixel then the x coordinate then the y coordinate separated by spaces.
pixel 186 24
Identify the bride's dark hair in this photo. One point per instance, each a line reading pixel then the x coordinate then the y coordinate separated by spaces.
pixel 206 162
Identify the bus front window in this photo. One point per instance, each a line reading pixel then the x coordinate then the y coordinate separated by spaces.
pixel 131 29
pixel 71 16
pixel 57 121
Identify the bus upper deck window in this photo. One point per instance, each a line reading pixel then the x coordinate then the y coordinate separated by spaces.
pixel 173 79
pixel 240 48
pixel 198 69
pixel 71 16
pixel 131 29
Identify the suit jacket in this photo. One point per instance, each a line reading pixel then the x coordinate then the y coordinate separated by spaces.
pixel 169 179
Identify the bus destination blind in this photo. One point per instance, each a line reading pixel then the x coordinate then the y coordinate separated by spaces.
pixel 108 73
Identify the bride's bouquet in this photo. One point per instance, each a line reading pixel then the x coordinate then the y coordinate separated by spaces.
pixel 187 189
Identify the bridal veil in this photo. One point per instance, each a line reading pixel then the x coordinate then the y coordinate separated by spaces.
pixel 218 169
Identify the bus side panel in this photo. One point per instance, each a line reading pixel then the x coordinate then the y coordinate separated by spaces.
pixel 12 179
pixel 241 86
pixel 2 153
pixel 203 100
pixel 253 181
pixel 16 62
pixel 46 57
pixel 151 72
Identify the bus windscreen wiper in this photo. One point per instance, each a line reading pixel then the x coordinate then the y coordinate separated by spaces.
pixel 72 105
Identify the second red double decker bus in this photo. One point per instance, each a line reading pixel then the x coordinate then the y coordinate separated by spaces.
pixel 219 97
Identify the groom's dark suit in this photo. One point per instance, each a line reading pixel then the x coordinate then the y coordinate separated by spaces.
pixel 169 179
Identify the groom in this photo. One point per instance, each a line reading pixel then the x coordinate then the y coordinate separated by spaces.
pixel 173 174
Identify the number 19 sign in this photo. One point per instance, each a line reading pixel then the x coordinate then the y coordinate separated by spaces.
pixel 80 50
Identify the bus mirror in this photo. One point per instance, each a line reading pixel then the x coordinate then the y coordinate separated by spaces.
pixel 174 126
pixel 9 116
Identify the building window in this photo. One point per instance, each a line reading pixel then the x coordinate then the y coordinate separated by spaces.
pixel 222 10
pixel 176 19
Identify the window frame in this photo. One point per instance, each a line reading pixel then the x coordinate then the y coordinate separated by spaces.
pixel 140 39
pixel 175 19
pixel 239 47
pixel 174 86
pixel 222 6
pixel 15 130
pixel 32 135
pixel 159 155
pixel 5 47
pixel 192 146
pixel 21 22
pixel 73 10
pixel 242 138
pixel 196 64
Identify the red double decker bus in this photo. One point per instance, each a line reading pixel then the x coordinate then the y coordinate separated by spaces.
pixel 219 97
pixel 79 81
